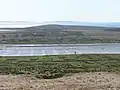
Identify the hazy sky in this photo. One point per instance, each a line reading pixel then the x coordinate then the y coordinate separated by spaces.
pixel 60 10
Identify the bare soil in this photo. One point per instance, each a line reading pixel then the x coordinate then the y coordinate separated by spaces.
pixel 80 81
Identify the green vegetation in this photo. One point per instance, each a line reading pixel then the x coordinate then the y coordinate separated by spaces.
pixel 49 67
pixel 60 35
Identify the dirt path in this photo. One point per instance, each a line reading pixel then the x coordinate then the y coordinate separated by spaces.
pixel 81 81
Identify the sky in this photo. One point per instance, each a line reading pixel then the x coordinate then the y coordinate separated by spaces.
pixel 60 10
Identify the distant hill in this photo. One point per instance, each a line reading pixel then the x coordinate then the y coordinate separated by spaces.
pixel 65 27
pixel 80 23
pixel 74 25
pixel 24 24
pixel 57 27
pixel 59 33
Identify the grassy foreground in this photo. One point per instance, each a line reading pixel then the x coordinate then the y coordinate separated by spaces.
pixel 49 67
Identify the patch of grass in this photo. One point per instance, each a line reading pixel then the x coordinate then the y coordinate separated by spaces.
pixel 49 67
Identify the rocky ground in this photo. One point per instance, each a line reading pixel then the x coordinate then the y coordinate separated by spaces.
pixel 81 81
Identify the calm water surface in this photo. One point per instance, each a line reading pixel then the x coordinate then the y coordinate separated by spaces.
pixel 57 49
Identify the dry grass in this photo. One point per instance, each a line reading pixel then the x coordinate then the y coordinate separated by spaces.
pixel 81 81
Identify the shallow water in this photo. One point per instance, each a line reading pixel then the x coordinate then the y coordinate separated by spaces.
pixel 58 49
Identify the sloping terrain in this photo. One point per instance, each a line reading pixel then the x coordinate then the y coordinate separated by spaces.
pixel 55 34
